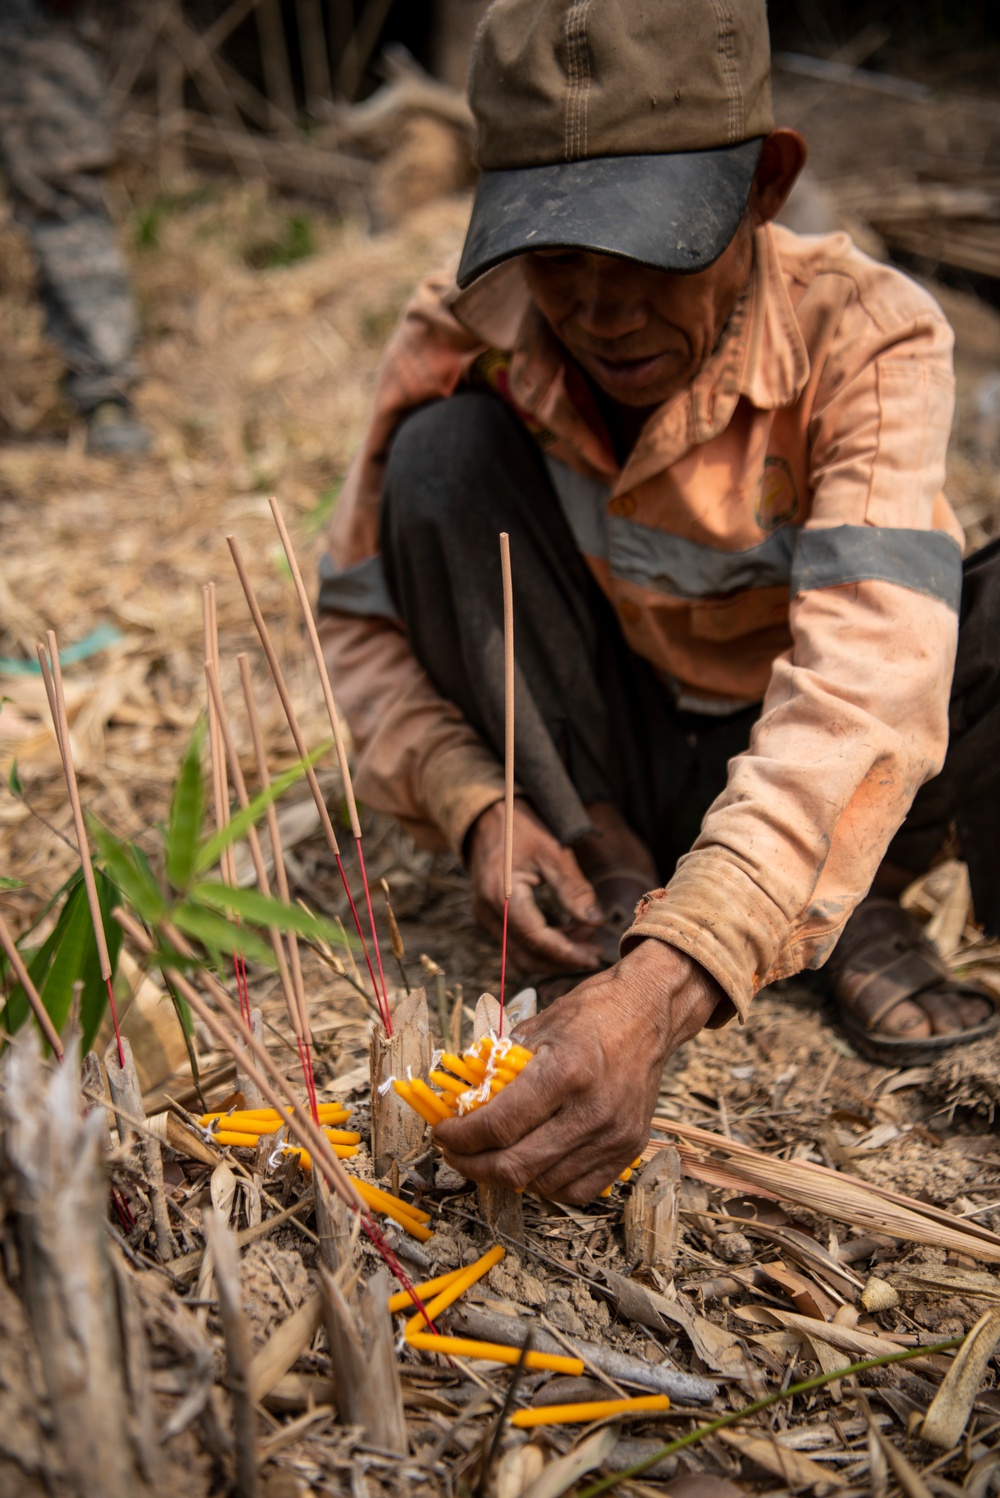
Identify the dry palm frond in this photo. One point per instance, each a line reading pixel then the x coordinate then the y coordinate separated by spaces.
pixel 727 1163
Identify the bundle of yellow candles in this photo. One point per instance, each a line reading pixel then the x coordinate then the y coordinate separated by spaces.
pixel 243 1128
pixel 470 1081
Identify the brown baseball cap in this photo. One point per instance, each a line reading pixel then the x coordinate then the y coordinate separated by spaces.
pixel 624 127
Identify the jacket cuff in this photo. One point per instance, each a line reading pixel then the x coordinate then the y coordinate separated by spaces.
pixel 459 784
pixel 714 912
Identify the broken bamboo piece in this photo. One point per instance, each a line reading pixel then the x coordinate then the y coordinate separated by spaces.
pixel 501 1207
pixel 398 1132
pixel 650 1217
pixel 57 1195
pixel 226 1263
pixel 126 1099
pixel 359 1333
pixel 245 1082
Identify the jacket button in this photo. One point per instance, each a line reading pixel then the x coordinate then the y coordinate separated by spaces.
pixel 623 504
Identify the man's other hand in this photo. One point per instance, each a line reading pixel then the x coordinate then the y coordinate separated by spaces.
pixel 580 1110
pixel 538 859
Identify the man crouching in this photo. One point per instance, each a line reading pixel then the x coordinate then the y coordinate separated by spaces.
pixel 719 451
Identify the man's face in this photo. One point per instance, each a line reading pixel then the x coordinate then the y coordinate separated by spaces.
pixel 640 334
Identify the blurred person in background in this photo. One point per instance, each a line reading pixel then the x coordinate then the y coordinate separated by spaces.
pixel 55 146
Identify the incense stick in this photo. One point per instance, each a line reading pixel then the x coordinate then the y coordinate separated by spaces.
pixel 338 736
pixel 294 998
pixel 39 1010
pixel 314 786
pixel 508 768
pixel 274 832
pixel 57 705
pixel 220 784
pixel 273 1087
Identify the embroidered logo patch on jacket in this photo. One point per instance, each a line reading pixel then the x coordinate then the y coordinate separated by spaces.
pixel 777 498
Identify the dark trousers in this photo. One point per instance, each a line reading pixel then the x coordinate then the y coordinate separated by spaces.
pixel 593 722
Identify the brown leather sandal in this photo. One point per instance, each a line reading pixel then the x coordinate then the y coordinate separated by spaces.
pixel 882 958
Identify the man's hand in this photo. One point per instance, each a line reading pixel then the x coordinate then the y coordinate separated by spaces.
pixel 538 859
pixel 580 1110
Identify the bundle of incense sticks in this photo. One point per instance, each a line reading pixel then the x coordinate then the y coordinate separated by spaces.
pixel 470 1081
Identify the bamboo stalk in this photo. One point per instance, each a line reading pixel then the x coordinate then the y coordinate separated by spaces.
pixel 38 1009
pixel 57 704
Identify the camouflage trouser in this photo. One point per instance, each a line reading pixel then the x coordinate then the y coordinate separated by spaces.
pixel 54 146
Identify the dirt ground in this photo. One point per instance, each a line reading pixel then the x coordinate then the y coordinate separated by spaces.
pixel 264 321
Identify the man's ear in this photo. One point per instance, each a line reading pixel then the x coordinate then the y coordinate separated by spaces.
pixel 782 157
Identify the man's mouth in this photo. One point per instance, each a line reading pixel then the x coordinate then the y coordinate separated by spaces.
pixel 627 374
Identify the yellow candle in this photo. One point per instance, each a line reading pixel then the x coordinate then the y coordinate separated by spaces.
pixel 458 1286
pixel 626 1174
pixel 402 1299
pixel 450 1084
pixel 417 1104
pixel 494 1352
pixel 417 1213
pixel 389 1209
pixel 235 1139
pixel 434 1103
pixel 596 1409
pixel 342 1152
pixel 459 1067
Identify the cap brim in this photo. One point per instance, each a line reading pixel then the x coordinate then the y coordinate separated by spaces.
pixel 674 212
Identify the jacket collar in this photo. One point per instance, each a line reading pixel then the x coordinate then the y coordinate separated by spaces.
pixel 761 357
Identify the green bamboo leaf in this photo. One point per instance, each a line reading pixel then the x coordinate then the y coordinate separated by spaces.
pixel 14 780
pixel 208 853
pixel 134 878
pixel 38 963
pixel 248 816
pixel 261 910
pixel 94 997
pixel 68 960
pixel 187 809
pixel 217 934
pixel 6 883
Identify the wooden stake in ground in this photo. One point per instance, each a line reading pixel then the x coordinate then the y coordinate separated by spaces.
pixel 57 1195
pixel 359 1332
pixel 52 677
pixel 226 1260
pixel 508 764
pixel 126 1099
pixel 500 1206
pixel 651 1213
pixel 398 1132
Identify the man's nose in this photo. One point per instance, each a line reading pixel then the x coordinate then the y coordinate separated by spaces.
pixel 607 307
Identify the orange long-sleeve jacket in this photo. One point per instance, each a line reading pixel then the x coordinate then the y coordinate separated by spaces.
pixel 778 534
